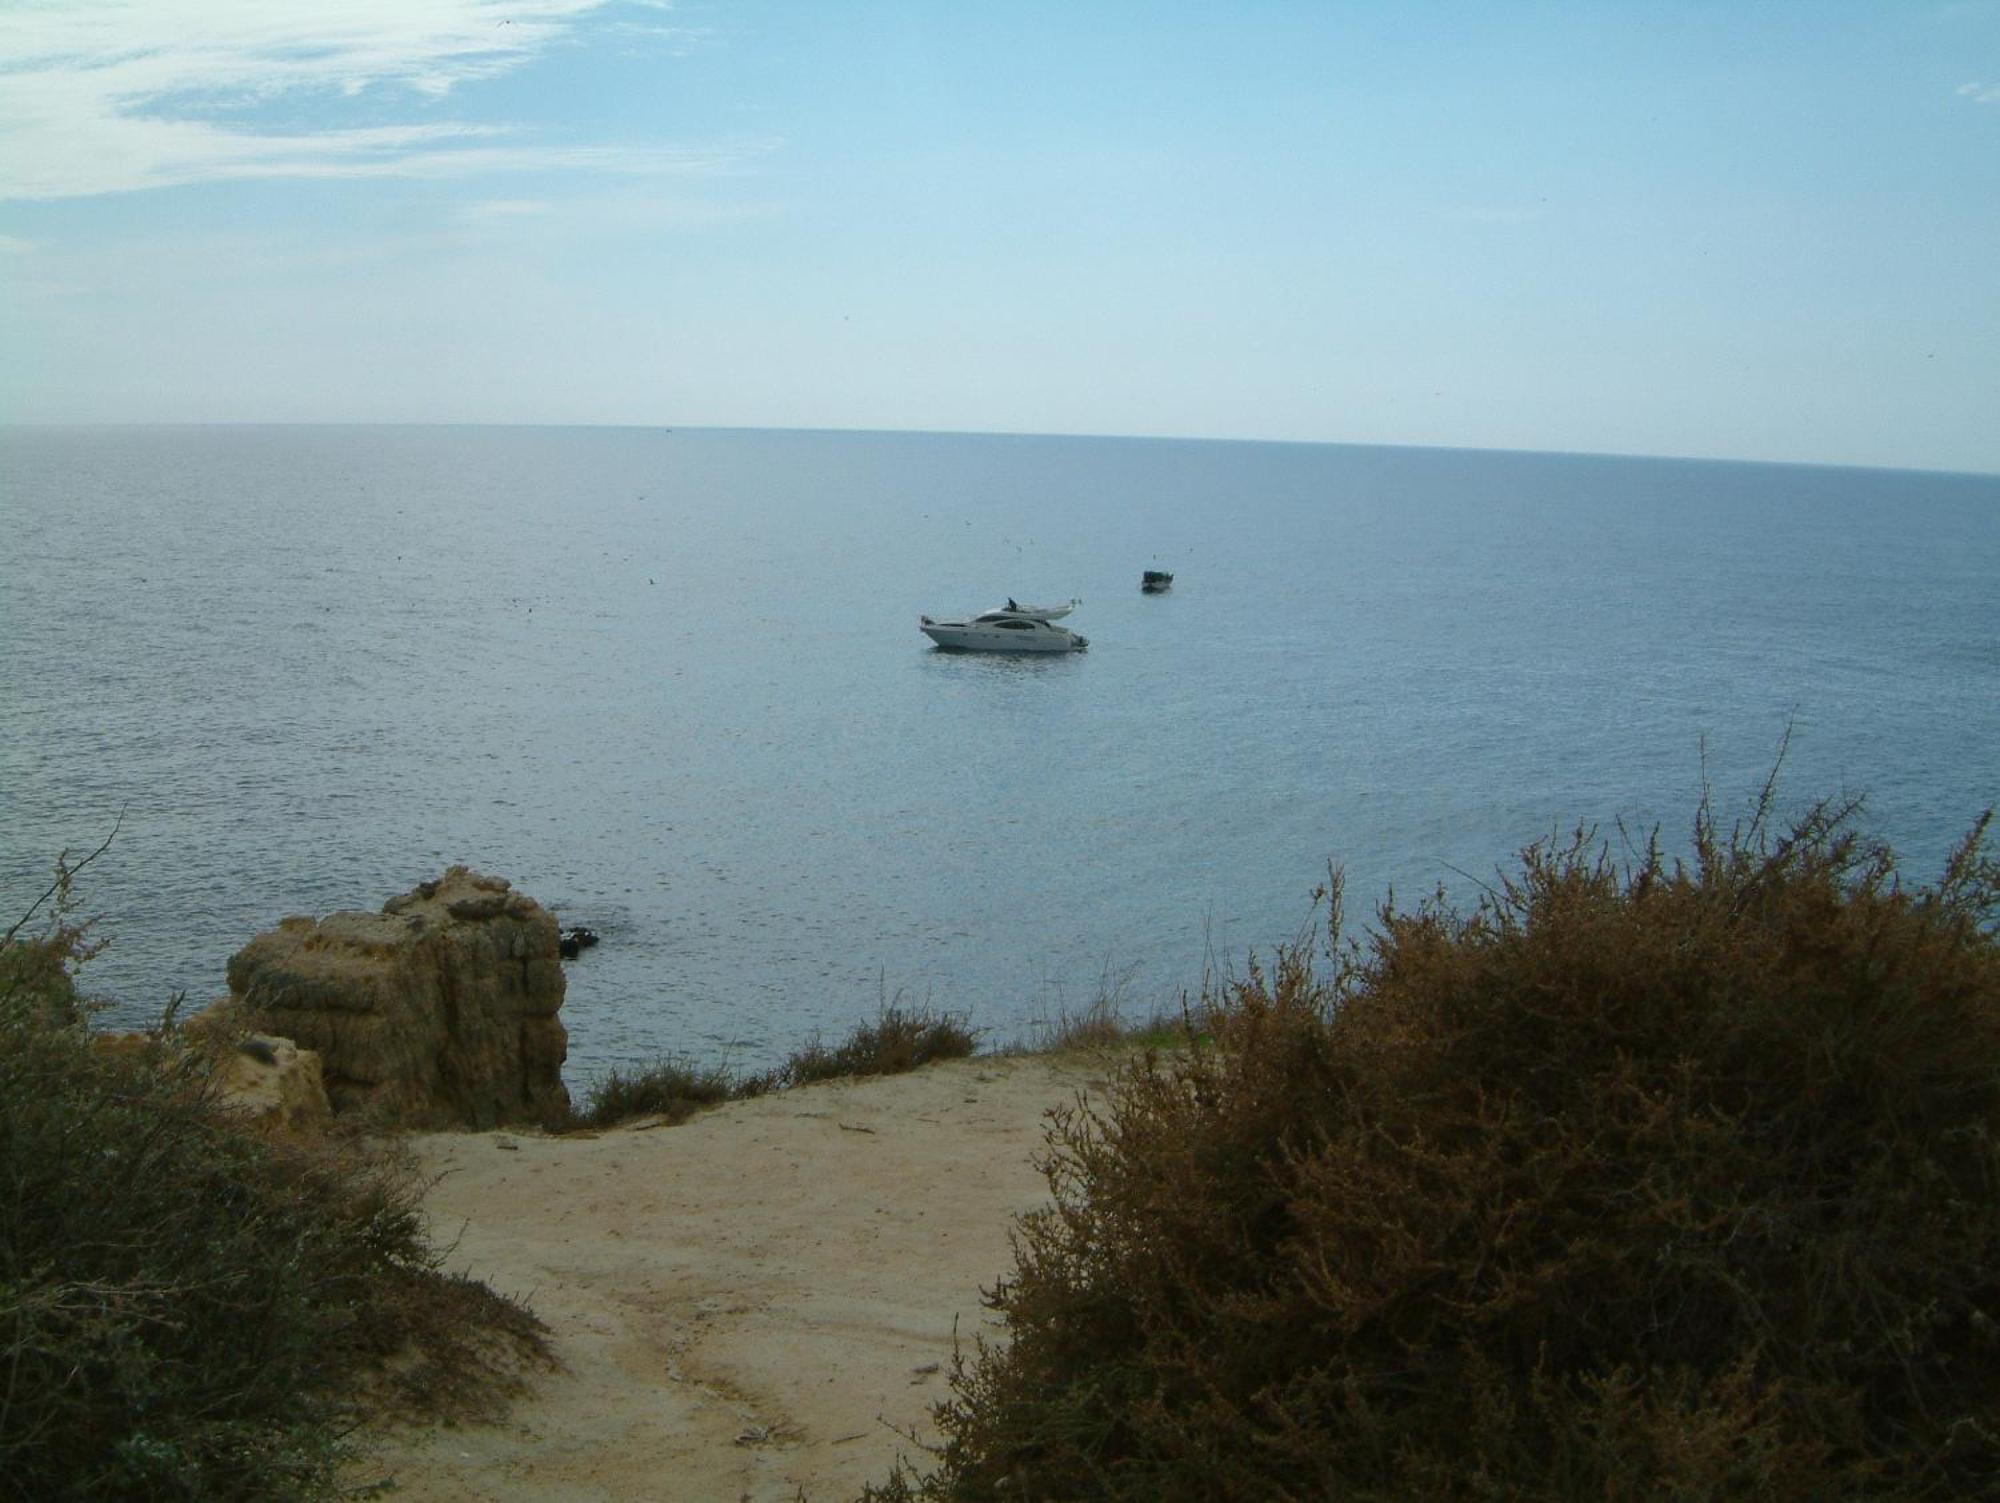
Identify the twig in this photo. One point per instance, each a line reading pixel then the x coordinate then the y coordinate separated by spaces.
pixel 64 873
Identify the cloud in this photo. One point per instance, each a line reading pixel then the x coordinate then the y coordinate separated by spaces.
pixel 1980 93
pixel 111 96
pixel 606 212
pixel 14 245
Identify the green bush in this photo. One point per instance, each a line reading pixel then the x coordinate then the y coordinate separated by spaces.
pixel 189 1310
pixel 1672 1181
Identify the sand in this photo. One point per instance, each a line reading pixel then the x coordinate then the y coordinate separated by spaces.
pixel 758 1304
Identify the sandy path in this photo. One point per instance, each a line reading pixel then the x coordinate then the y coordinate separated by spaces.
pixel 747 1306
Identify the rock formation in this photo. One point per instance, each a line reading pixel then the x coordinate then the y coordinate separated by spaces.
pixel 440 1011
pixel 270 1082
pixel 275 1083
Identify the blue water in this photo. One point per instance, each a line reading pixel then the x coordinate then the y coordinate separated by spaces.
pixel 670 683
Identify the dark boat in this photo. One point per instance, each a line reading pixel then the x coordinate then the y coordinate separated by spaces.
pixel 1153 581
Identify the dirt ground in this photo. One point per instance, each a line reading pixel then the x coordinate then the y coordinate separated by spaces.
pixel 759 1304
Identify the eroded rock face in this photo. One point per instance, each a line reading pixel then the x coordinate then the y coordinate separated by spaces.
pixel 275 1083
pixel 439 1011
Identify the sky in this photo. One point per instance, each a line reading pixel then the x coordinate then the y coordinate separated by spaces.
pixel 1756 229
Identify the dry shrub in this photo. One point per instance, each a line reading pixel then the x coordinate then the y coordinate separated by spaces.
pixel 190 1309
pixel 1108 1023
pixel 899 1039
pixel 671 1089
pixel 1676 1180
pixel 1097 1026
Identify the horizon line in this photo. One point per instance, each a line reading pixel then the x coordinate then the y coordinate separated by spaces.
pixel 1001 433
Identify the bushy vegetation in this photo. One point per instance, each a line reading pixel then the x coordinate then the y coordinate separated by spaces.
pixel 1107 1024
pixel 676 1088
pixel 1646 1178
pixel 899 1039
pixel 189 1309
pixel 672 1089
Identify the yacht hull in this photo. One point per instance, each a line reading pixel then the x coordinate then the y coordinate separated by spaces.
pixel 1014 635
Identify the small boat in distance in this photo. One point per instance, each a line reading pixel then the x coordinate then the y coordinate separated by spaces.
pixel 1019 629
pixel 1153 581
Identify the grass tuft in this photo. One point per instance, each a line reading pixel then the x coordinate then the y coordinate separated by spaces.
pixel 899 1039
pixel 672 1089
pixel 1109 1024
pixel 1105 1027
pixel 675 1088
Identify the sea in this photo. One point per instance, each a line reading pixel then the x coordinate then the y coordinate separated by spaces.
pixel 669 682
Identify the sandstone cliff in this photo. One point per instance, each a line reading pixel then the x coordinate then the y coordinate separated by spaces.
pixel 439 1011
pixel 274 1082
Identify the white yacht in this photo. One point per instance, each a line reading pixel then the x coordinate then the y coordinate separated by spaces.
pixel 1008 628
pixel 1038 612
